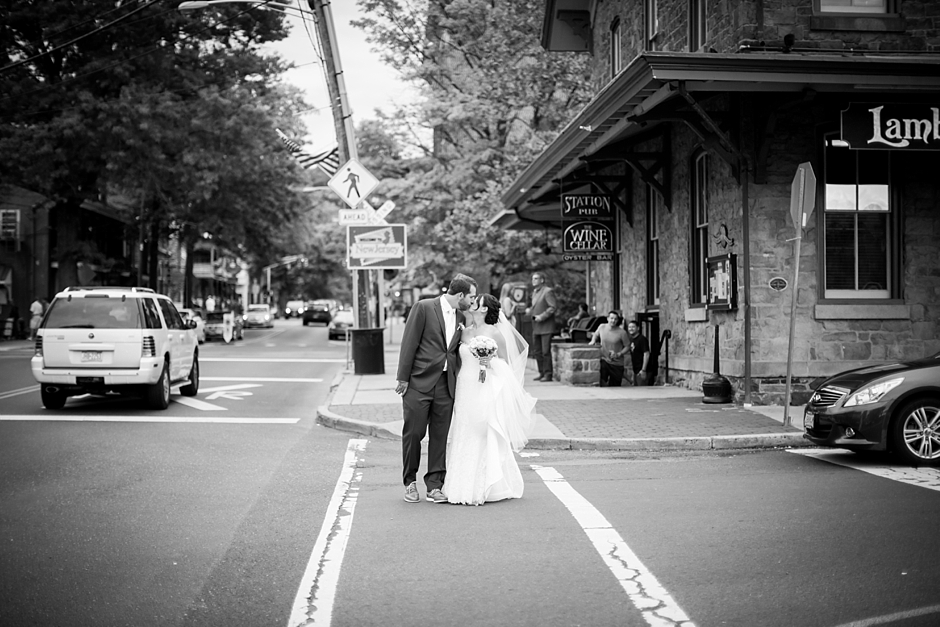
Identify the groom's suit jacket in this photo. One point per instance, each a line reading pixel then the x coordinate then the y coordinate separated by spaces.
pixel 424 349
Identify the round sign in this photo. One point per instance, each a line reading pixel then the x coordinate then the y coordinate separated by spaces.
pixel 778 284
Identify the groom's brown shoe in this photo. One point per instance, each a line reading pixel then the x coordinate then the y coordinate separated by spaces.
pixel 411 493
pixel 436 496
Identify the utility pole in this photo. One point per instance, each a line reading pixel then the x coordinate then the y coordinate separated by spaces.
pixel 345 133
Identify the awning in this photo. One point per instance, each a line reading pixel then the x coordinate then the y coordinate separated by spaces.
pixel 655 78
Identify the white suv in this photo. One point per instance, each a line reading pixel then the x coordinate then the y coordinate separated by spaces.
pixel 130 340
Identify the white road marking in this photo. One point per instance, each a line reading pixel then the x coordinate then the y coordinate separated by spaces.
pixel 188 419
pixel 274 361
pixel 265 379
pixel 893 618
pixel 313 604
pixel 923 477
pixel 645 592
pixel 226 388
pixel 12 393
pixel 195 403
pixel 232 395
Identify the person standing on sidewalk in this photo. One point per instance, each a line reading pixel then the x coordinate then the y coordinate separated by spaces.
pixel 35 317
pixel 427 377
pixel 543 325
pixel 639 353
pixel 615 343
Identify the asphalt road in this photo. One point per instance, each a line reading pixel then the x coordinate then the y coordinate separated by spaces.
pixel 127 516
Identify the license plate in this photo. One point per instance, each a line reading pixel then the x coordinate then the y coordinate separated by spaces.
pixel 808 420
pixel 91 356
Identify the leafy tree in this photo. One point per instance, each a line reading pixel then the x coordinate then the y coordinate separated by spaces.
pixel 494 100
pixel 175 111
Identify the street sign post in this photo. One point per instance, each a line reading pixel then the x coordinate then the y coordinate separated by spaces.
pixel 353 183
pixel 802 203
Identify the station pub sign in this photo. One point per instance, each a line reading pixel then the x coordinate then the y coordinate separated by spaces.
pixel 587 222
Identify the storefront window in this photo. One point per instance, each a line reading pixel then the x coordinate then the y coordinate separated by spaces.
pixel 854 6
pixel 858 222
pixel 699 248
pixel 654 203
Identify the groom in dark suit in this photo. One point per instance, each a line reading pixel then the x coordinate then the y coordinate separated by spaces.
pixel 427 376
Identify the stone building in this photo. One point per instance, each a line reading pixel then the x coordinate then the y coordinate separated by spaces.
pixel 703 114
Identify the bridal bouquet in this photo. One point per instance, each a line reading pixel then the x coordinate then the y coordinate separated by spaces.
pixel 483 348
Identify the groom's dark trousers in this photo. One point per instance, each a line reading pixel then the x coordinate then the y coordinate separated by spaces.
pixel 429 401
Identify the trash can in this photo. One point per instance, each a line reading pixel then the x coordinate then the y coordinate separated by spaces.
pixel 368 351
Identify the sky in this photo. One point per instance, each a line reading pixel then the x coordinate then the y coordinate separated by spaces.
pixel 370 84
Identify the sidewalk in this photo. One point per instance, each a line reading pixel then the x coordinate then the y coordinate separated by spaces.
pixel 574 417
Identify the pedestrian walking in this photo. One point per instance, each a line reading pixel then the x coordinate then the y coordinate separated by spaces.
pixel 36 310
pixel 543 325
pixel 615 344
pixel 639 353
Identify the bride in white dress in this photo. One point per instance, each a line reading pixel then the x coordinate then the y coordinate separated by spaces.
pixel 492 418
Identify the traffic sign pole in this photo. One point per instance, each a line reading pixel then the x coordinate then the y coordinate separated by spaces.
pixel 802 202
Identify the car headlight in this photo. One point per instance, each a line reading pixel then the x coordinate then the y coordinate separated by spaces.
pixel 872 393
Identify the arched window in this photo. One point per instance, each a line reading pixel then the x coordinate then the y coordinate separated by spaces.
pixel 616 59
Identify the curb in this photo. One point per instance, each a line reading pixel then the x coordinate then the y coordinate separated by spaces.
pixel 717 443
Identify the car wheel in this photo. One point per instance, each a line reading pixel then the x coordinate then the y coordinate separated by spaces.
pixel 158 394
pixel 916 432
pixel 191 388
pixel 53 399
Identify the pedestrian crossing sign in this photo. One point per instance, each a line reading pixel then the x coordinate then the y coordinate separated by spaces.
pixel 353 183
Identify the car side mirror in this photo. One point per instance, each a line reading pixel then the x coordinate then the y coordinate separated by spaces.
pixel 191 324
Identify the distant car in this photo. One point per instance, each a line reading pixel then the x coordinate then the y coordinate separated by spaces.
pixel 294 309
pixel 215 326
pixel 259 316
pixel 317 312
pixel 195 315
pixel 892 407
pixel 340 324
pixel 125 340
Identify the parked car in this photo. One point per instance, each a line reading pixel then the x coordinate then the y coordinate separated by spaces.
pixel 197 316
pixel 340 325
pixel 215 326
pixel 259 316
pixel 317 312
pixel 893 407
pixel 125 340
pixel 294 309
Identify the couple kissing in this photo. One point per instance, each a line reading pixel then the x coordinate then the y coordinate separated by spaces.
pixel 460 375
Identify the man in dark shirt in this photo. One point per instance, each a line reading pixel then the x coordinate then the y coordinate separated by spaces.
pixel 639 353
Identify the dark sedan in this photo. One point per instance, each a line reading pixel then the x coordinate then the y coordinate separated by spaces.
pixel 893 407
pixel 317 313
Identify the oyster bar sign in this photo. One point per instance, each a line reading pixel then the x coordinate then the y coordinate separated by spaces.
pixel 891 125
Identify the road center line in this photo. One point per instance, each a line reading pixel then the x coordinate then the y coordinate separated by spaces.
pixel 266 379
pixel 313 604
pixel 645 592
pixel 12 393
pixel 186 419
pixel 273 361
pixel 923 477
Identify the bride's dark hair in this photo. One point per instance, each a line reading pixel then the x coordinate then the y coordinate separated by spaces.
pixel 492 308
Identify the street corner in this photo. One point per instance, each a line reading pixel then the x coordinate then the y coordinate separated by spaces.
pixel 333 420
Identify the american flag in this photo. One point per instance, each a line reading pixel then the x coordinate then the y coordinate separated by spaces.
pixel 327 160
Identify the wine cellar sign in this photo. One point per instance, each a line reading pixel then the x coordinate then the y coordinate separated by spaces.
pixel 587 222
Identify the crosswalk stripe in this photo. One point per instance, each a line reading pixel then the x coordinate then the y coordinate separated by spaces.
pixel 187 419
pixel 272 361
pixel 922 477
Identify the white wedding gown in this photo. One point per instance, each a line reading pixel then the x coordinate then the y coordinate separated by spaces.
pixel 489 420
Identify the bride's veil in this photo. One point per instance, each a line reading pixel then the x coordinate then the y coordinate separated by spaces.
pixel 517 348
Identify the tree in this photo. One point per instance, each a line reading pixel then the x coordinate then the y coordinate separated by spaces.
pixel 176 111
pixel 495 100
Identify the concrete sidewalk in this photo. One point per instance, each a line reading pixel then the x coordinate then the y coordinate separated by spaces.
pixel 576 417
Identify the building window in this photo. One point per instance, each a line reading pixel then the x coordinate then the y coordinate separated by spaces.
pixel 615 52
pixel 697 29
pixel 699 248
pixel 855 6
pixel 654 205
pixel 858 222
pixel 651 24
